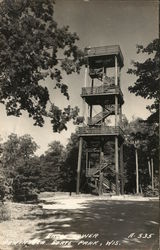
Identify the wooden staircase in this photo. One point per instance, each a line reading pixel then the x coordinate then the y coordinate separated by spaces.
pixel 95 120
pixel 109 185
pixel 93 179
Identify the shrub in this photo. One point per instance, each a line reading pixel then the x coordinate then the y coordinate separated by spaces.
pixel 149 192
pixel 5 211
pixel 23 190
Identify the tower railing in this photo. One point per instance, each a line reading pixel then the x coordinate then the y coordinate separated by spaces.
pixel 103 130
pixel 103 89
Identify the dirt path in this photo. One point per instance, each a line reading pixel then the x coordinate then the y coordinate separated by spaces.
pixel 81 223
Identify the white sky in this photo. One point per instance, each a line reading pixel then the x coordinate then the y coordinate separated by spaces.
pixel 98 23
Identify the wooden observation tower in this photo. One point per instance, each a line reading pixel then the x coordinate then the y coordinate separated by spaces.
pixel 102 90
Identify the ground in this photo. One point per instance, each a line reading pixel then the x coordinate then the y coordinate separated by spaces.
pixel 83 222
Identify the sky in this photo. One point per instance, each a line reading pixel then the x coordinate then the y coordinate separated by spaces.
pixel 98 23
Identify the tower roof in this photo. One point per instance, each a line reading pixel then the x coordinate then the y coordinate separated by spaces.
pixel 98 57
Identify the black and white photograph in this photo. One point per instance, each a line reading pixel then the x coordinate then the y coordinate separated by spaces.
pixel 79 124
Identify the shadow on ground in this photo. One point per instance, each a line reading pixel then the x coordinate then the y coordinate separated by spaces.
pixel 126 223
pixel 112 224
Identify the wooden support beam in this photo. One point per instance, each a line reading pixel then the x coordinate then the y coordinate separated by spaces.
pixel 116 110
pixel 100 191
pixel 89 162
pixel 85 76
pixel 116 71
pixel 119 76
pixel 120 115
pixel 122 169
pixel 90 112
pixel 87 153
pixel 116 123
pixel 116 165
pixel 104 74
pixel 100 172
pixel 79 164
pixel 83 100
pixel 83 107
pixel 92 83
pixel 116 97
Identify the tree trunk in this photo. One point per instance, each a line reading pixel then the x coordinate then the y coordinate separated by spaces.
pixel 152 171
pixel 149 168
pixel 137 172
pixel 79 164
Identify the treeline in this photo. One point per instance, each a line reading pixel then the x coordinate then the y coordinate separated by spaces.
pixel 24 175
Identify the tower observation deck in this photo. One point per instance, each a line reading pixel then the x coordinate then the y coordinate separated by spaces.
pixel 102 90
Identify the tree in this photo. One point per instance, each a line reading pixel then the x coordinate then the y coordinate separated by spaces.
pixel 141 145
pixel 17 151
pixel 148 75
pixel 51 164
pixel 69 168
pixel 10 155
pixel 26 182
pixel 31 43
pixel 16 161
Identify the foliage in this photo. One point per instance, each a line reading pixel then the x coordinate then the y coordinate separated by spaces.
pixel 25 183
pixel 148 75
pixel 50 167
pixel 31 43
pixel 59 118
pixel 143 137
pixel 4 186
pixel 68 171
pixel 56 170
pixel 23 189
pixel 5 211
pixel 150 192
pixel 16 151
pixel 16 160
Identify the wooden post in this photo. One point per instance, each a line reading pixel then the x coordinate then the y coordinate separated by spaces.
pixel 96 185
pixel 116 165
pixel 137 172
pixel 116 123
pixel 83 108
pixel 116 71
pixel 90 113
pixel 100 183
pixel 79 164
pixel 84 103
pixel 116 110
pixel 152 171
pixel 92 83
pixel 122 169
pixel 100 173
pixel 87 161
pixel 120 115
pixel 104 74
pixel 116 98
pixel 85 76
pixel 119 75
pixel 90 110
